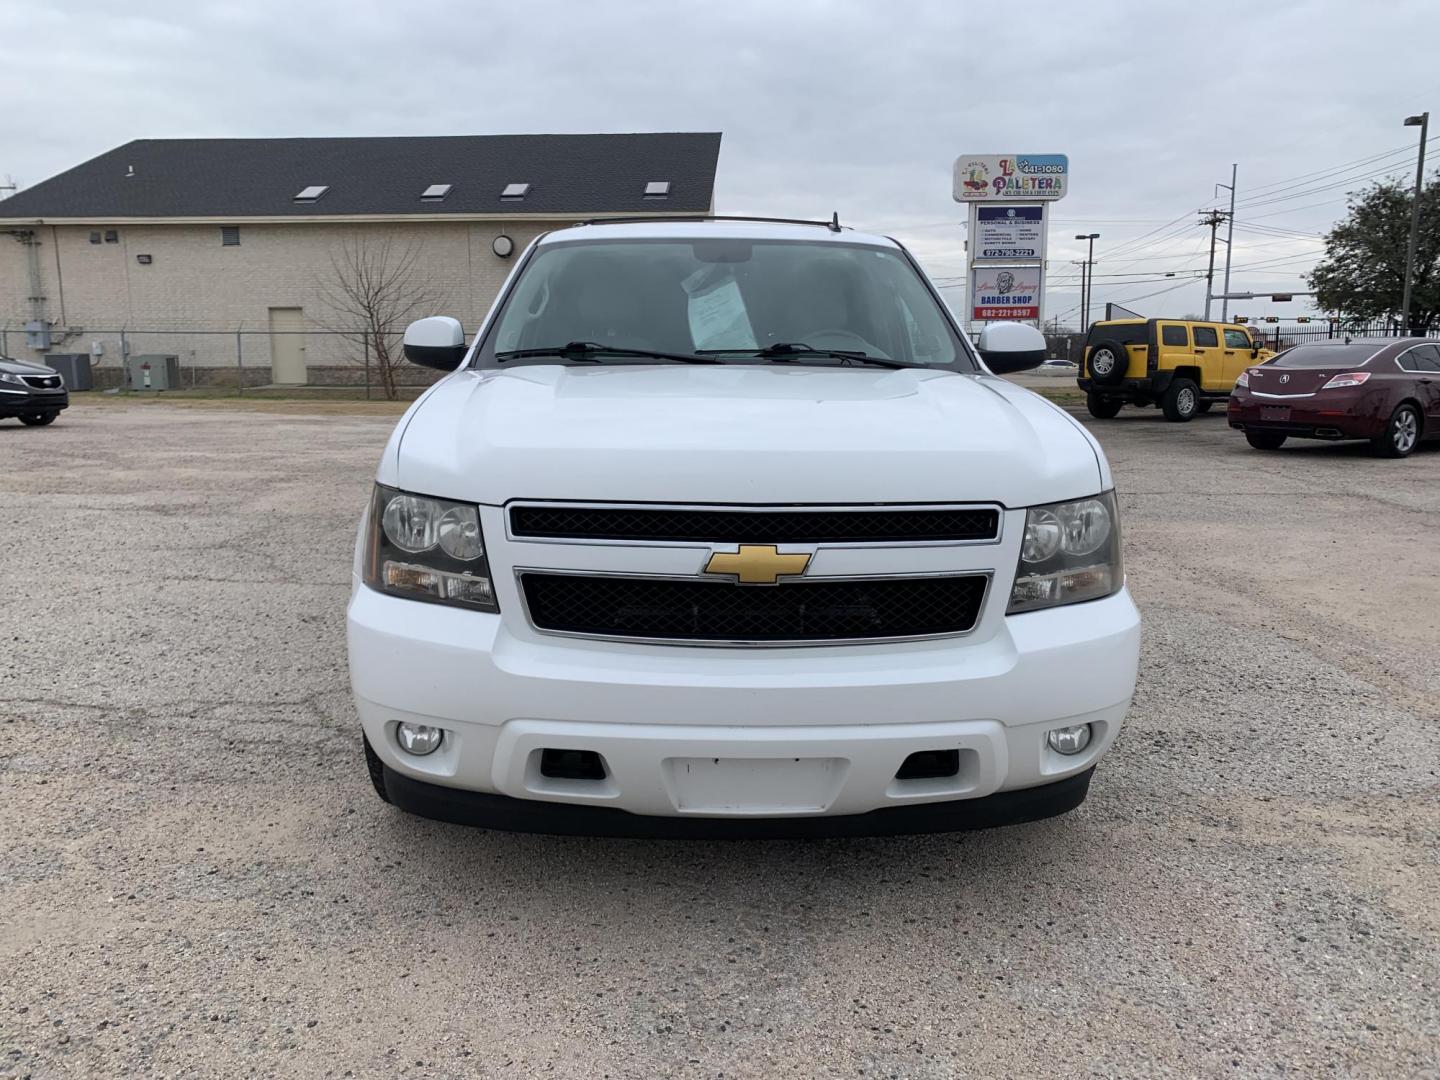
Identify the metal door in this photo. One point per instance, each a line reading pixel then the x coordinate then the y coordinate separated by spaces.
pixel 287 346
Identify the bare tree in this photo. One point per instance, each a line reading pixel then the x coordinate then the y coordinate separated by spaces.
pixel 377 289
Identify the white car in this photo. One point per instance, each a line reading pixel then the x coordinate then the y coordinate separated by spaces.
pixel 721 527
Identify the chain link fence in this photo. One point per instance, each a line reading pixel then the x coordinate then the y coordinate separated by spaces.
pixel 235 360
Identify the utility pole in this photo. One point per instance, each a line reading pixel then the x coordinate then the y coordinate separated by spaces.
pixel 1213 218
pixel 1229 243
pixel 1423 120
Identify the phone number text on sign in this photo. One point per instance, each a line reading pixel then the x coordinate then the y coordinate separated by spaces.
pixel 1030 312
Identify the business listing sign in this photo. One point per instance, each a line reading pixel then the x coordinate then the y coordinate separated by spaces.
pixel 1007 233
pixel 1005 292
pixel 1022 177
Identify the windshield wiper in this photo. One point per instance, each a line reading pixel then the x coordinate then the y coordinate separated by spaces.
pixel 593 352
pixel 797 352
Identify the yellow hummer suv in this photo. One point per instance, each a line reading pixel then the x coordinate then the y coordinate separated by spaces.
pixel 1185 367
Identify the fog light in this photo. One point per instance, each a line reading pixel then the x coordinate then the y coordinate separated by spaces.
pixel 1069 740
pixel 419 739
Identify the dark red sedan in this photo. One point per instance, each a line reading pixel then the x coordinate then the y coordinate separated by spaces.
pixel 1384 390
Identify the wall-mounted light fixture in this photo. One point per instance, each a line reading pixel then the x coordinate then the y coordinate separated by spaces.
pixel 503 246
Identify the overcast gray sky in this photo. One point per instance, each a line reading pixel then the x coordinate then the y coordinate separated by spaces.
pixel 845 105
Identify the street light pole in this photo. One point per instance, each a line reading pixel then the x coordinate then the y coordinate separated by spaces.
pixel 1423 122
pixel 1087 275
pixel 1229 242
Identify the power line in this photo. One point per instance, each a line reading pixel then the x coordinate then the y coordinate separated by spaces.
pixel 1266 190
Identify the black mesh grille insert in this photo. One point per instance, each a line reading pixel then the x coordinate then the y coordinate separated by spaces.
pixel 816 610
pixel 42 382
pixel 754 526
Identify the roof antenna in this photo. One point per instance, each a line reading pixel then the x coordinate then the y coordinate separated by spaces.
pixel 835 221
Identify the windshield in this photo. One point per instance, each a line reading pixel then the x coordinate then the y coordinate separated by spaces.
pixel 1326 356
pixel 726 299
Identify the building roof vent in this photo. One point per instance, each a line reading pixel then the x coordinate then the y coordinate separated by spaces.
pixel 657 189
pixel 435 192
pixel 515 192
pixel 312 193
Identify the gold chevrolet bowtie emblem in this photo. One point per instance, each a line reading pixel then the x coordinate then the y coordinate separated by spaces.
pixel 757 564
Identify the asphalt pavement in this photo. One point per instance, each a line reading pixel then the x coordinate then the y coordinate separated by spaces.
pixel 196 879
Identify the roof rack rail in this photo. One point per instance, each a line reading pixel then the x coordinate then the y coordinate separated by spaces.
pixel 833 224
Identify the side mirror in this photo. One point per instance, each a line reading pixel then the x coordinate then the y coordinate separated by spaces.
pixel 1011 346
pixel 436 342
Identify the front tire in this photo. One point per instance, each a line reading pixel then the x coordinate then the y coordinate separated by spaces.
pixel 1181 401
pixel 1401 434
pixel 1265 440
pixel 39 419
pixel 377 770
pixel 1103 408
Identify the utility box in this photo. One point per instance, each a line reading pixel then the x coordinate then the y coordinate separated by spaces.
pixel 37 335
pixel 152 371
pixel 74 368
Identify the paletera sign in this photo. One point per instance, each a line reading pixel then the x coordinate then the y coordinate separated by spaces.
pixel 1004 292
pixel 1027 177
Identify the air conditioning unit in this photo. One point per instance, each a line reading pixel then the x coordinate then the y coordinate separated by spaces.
pixel 74 368
pixel 152 371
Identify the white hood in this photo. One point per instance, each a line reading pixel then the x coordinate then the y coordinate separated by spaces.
pixel 742 434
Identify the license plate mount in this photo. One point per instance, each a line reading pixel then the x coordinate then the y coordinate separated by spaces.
pixel 1275 413
pixel 754 786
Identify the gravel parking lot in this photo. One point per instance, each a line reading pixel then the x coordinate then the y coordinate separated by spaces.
pixel 197 879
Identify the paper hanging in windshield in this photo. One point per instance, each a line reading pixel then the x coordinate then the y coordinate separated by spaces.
pixel 718 319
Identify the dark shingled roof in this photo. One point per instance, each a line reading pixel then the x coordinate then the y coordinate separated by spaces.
pixel 240 178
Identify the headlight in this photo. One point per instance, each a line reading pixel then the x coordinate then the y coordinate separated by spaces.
pixel 5 376
pixel 427 549
pixel 1070 552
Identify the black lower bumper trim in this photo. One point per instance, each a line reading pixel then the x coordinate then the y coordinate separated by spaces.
pixel 12 405
pixel 567 819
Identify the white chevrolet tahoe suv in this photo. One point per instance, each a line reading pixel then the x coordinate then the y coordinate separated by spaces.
pixel 722 527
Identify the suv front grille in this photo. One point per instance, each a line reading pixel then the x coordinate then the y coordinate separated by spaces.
pixel 799 611
pixel 683 525
pixel 42 382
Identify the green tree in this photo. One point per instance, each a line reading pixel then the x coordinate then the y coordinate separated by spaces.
pixel 1362 275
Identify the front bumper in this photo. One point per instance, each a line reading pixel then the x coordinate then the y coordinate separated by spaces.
pixel 564 819
pixel 706 733
pixel 17 401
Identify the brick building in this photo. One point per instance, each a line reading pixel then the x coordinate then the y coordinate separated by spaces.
pixel 171 246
